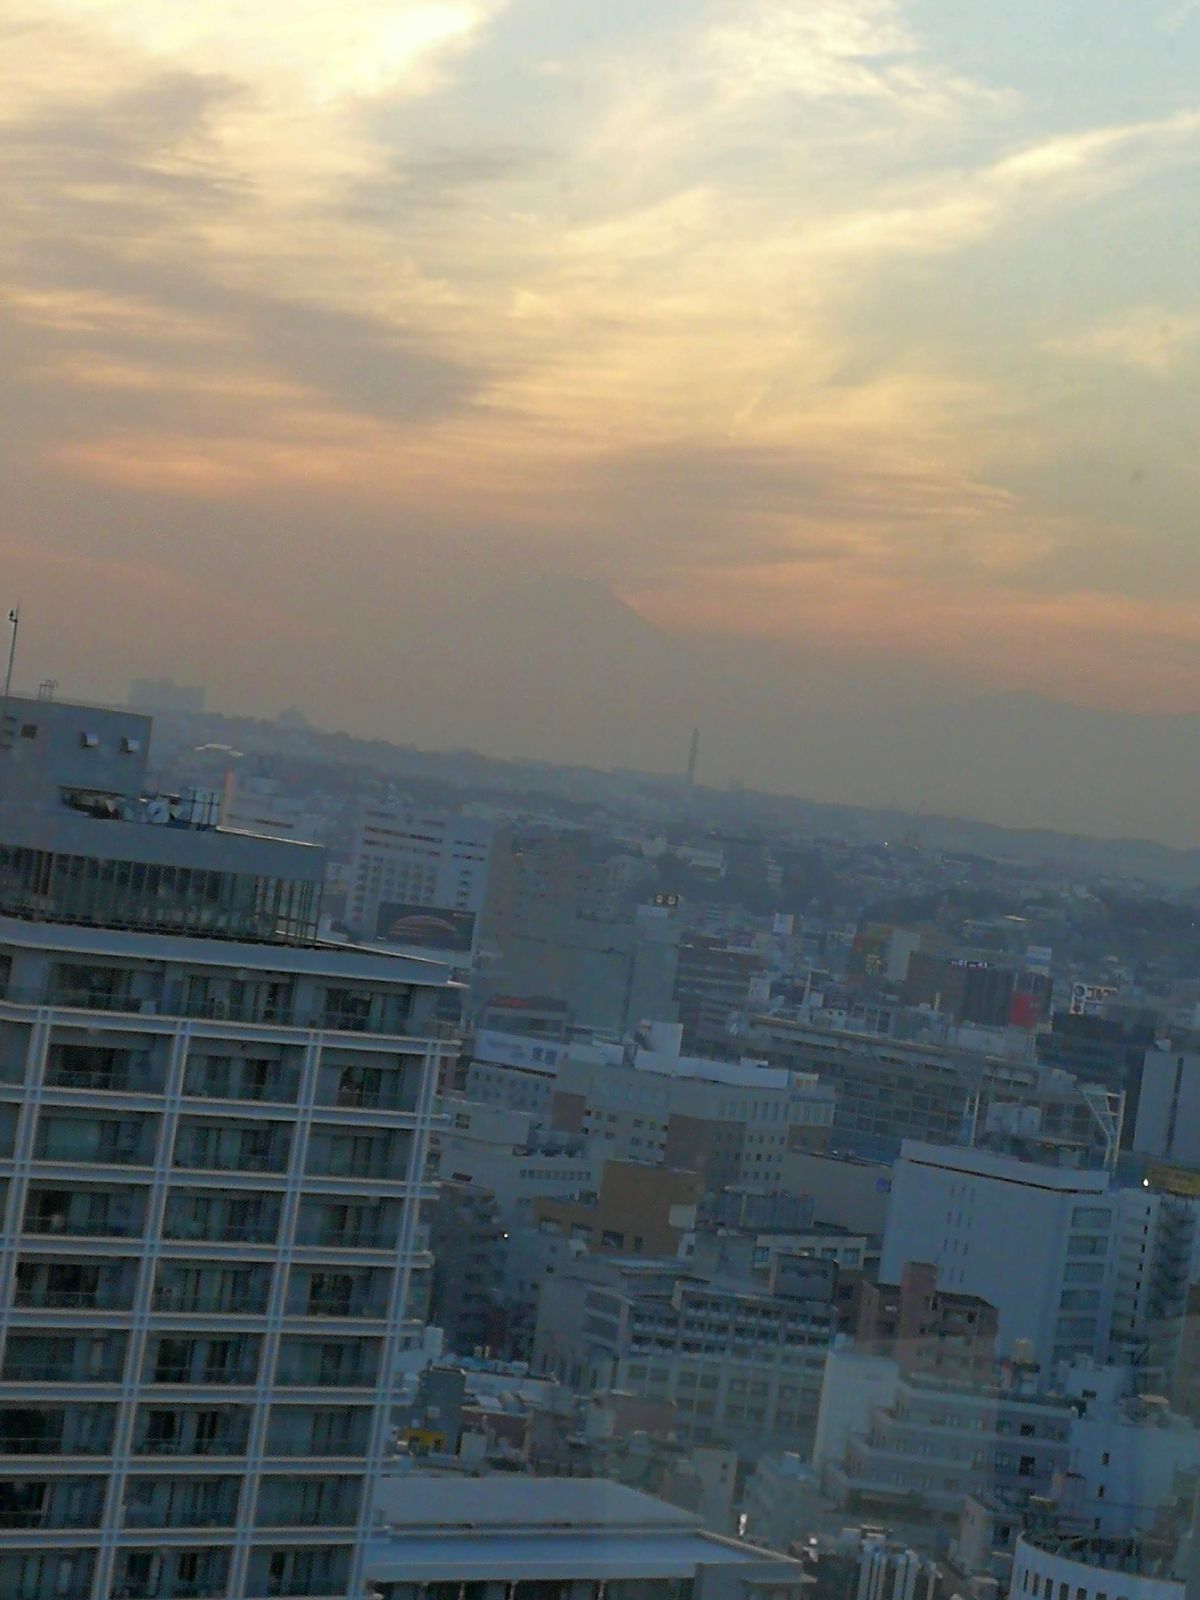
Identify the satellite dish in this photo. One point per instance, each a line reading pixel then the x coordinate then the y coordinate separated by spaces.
pixel 158 811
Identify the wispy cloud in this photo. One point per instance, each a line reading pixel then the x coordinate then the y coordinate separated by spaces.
pixel 1149 339
pixel 702 300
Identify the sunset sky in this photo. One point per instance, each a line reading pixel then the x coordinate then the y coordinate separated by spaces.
pixel 854 340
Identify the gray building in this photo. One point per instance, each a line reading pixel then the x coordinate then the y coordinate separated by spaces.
pixel 212 1135
pixel 741 1360
pixel 504 1538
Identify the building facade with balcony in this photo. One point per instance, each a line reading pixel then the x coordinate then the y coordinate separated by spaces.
pixel 212 1137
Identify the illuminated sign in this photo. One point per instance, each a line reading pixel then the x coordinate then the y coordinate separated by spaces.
pixel 1173 1180
pixel 426 927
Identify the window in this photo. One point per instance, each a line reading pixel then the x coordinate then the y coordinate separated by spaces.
pixel 29 730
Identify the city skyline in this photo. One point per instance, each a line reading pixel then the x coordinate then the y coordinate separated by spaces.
pixel 721 356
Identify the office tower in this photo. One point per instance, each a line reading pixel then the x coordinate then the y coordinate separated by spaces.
pixel 962 1210
pixel 212 1132
pixel 419 877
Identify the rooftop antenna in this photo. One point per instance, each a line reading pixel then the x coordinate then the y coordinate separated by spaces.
pixel 14 620
pixel 46 688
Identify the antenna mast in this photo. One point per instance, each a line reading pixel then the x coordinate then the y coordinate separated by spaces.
pixel 14 622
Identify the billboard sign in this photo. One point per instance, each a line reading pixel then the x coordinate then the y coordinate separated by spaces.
pixel 1173 1180
pixel 1087 999
pixel 425 927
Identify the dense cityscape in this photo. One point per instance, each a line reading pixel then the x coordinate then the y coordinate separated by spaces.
pixel 436 1178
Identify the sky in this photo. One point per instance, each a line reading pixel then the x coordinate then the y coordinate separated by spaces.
pixel 547 376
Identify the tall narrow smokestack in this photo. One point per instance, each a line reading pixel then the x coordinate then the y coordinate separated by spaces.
pixel 693 754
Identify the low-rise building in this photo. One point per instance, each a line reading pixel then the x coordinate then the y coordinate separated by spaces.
pixel 646 1210
pixel 929 1329
pixel 505 1536
pixel 1090 1567
pixel 733 1122
pixel 741 1361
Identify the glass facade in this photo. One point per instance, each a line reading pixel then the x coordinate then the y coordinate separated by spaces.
pixel 155 898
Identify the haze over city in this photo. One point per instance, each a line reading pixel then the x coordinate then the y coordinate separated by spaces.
pixel 551 378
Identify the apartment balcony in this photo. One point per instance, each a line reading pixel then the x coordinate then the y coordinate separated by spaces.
pixel 136 1078
pixel 176 1589
pixel 71 1216
pixel 220 1515
pixel 118 1150
pixel 210 1302
pixel 251 1157
pixel 31 1372
pixel 172 1003
pixel 212 1080
pixel 47 1297
pixel 228 1444
pixel 327 1448
pixel 304 1369
pixel 239 1376
pixel 350 1307
pixel 51 1504
pixel 244 1233
pixel 29 1575
pixel 373 1099
pixel 27 1430
pixel 348 1238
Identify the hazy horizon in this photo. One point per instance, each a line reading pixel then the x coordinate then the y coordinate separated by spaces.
pixel 549 379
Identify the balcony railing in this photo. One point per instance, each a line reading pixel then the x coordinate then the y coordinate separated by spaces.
pixel 180 1589
pixel 217 1377
pixel 133 1080
pixel 214 1517
pixel 205 1161
pixel 360 1377
pixel 333 1448
pixel 171 1003
pixel 38 1299
pixel 170 1299
pixel 39 1517
pixel 85 1227
pixel 372 1170
pixel 59 1372
pixel 230 1445
pixel 251 1233
pixel 278 1091
pixel 375 1099
pixel 338 1306
pixel 37 1445
pixel 348 1238
pixel 104 1155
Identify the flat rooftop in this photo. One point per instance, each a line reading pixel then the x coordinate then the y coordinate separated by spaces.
pixel 505 1527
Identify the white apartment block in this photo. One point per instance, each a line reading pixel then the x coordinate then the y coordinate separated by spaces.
pixel 212 1138
pixel 418 857
pixel 1074 1265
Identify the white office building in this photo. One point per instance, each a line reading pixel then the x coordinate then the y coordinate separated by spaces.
pixel 212 1136
pixel 408 861
pixel 1168 1116
pixel 1052 1565
pixel 1075 1266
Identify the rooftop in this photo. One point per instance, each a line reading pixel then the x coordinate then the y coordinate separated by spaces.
pixel 505 1527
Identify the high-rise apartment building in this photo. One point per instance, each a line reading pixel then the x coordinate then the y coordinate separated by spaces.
pixel 212 1132
pixel 419 876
